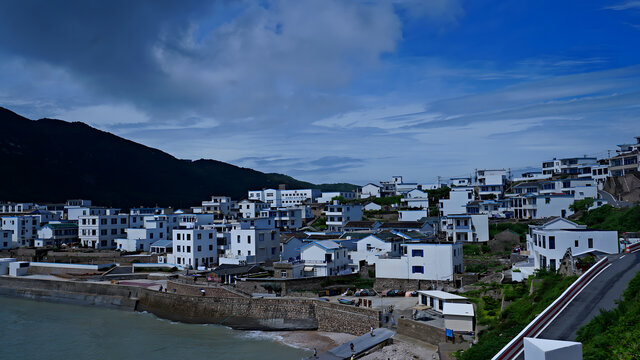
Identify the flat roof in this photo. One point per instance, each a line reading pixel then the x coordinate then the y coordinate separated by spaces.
pixel 442 295
pixel 458 309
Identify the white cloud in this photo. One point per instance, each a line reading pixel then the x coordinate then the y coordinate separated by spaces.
pixel 104 115
pixel 625 6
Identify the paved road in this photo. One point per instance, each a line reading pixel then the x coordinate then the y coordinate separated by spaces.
pixel 612 200
pixel 601 293
pixel 361 344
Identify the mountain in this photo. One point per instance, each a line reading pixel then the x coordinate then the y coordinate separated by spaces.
pixel 51 160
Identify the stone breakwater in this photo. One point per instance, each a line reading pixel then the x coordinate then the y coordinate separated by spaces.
pixel 235 312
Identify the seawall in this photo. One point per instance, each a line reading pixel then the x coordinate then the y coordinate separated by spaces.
pixel 236 312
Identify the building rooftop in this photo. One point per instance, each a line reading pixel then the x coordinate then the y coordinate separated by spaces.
pixel 442 295
pixel 401 225
pixel 458 309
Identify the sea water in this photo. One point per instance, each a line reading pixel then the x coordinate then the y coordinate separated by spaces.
pixel 40 330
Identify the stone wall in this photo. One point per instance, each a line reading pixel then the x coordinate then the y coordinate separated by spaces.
pixel 46 270
pixel 421 331
pixel 345 318
pixel 81 293
pixel 287 286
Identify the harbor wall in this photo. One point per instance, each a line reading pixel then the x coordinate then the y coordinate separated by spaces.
pixel 236 312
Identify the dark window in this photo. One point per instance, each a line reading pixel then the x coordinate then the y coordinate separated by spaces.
pixel 418 269
pixel 590 243
pixel 417 253
pixel 577 243
pixel 552 242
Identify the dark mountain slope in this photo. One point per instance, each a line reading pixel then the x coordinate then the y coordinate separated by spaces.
pixel 52 160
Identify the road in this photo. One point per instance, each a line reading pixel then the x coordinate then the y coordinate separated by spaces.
pixel 601 293
pixel 612 200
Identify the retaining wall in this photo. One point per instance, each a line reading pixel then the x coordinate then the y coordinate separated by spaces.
pixel 421 331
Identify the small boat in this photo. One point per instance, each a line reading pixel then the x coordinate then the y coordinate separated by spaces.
pixel 346 301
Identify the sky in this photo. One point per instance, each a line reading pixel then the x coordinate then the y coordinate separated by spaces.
pixel 334 91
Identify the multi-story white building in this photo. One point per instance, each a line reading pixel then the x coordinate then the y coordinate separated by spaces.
pixel 58 233
pixel 549 198
pixel 338 215
pixel 220 206
pixel 328 196
pixel 422 261
pixel 532 175
pixel 491 183
pixel 284 218
pixel 412 215
pixel 251 208
pixel 548 243
pixel 627 160
pixel 466 227
pixel 370 190
pixel 140 239
pixel 101 231
pixel 579 166
pixel 75 211
pixel 600 174
pixel 325 258
pixel 285 198
pixel 253 241
pixel 24 229
pixel 194 248
pixel 492 208
pixel 457 201
pixel 370 248
pixel 17 207
pixel 460 181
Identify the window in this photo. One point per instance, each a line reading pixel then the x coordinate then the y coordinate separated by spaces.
pixel 417 269
pixel 211 248
pixel 283 273
pixel 178 249
pixel 123 220
pixel 368 247
pixel 249 252
pixel 177 236
pixel 417 253
pixel 576 243
pixel 590 241
pixel 104 221
pixel 188 236
pixel 199 248
pixel 248 239
pixel 188 248
pixel 552 242
pixel 238 239
pixel 547 200
pixel 199 236
pixel 103 232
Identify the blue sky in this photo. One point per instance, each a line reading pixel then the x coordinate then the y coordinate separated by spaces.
pixel 332 91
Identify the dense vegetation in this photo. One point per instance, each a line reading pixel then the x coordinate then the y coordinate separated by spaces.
pixel 615 334
pixel 56 160
pixel 609 218
pixel 581 205
pixel 519 228
pixel 516 316
pixel 320 223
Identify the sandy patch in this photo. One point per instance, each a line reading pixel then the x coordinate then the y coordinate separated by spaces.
pixel 400 350
pixel 321 340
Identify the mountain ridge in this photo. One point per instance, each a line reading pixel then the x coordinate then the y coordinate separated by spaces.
pixel 54 160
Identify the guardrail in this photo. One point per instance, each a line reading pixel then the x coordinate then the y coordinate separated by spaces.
pixel 516 345
pixel 633 247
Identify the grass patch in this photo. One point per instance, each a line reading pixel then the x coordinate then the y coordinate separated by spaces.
pixel 615 334
pixel 320 223
pixel 517 315
pixel 519 228
pixel 607 217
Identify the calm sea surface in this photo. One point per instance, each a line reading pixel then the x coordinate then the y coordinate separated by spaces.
pixel 40 330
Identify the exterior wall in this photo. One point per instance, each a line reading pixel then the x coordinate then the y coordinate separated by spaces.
pixel 339 215
pixel 538 243
pixel 327 196
pixel 371 247
pixel 416 203
pixel 370 190
pixel 195 247
pixel 372 206
pixel 285 198
pixel 456 204
pixel 437 262
pixel 291 249
pixel 24 229
pixel 5 239
pixel 458 323
pixel 326 262
pixel 100 231
pixel 421 331
pixel 284 218
pixel 412 215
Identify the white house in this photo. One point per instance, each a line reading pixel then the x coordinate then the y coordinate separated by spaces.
pixel 548 243
pixel 253 241
pixel 100 231
pixel 155 228
pixel 490 183
pixel 412 215
pixel 422 261
pixel 289 218
pixel 220 206
pixel 75 211
pixel 460 181
pixel 466 227
pixel 24 229
pixel 251 208
pixel 437 299
pixel 371 206
pixel 459 317
pixel 325 258
pixel 290 246
pixel 328 196
pixel 58 233
pixel 195 247
pixel 370 190
pixel 370 248
pixel 532 175
pixel 285 198
pixel 338 215
pixel 457 201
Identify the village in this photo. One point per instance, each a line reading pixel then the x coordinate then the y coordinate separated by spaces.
pixel 427 253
